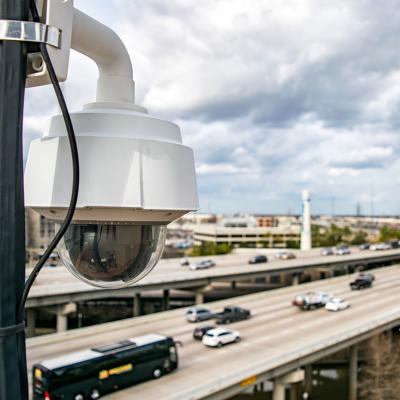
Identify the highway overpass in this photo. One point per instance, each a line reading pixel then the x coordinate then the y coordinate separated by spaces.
pixel 58 286
pixel 277 340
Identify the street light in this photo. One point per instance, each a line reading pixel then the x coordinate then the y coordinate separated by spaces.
pixel 136 175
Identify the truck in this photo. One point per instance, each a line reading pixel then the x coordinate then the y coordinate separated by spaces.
pixel 311 300
pixel 232 314
pixel 363 281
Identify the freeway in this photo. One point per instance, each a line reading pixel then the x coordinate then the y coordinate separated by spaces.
pixel 276 340
pixel 58 286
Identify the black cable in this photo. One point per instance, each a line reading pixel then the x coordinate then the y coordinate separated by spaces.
pixel 75 163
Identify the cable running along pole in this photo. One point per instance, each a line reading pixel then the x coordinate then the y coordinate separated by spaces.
pixel 12 215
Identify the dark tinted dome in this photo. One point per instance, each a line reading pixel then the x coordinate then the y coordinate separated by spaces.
pixel 114 254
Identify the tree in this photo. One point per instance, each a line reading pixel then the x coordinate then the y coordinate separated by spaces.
pixel 211 249
pixel 387 233
pixel 332 236
pixel 359 237
pixel 380 375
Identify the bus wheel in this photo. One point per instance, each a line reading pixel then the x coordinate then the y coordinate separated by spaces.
pixel 157 373
pixel 94 394
pixel 79 396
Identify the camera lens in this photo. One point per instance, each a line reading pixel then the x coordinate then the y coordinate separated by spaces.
pixel 111 256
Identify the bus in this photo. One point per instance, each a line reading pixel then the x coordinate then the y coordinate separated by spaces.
pixel 90 374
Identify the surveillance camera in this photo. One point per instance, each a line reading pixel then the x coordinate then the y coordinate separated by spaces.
pixel 136 177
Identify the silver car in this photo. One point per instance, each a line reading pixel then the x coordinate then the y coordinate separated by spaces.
pixel 202 265
pixel 197 314
pixel 327 251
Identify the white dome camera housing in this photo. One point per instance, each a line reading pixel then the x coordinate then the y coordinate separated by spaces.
pixel 136 176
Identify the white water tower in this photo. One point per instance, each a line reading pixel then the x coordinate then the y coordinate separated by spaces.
pixel 306 222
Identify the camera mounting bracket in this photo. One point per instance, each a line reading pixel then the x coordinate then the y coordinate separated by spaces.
pixel 56 17
pixel 27 31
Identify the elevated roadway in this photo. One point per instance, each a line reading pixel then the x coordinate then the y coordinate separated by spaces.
pixel 277 339
pixel 58 286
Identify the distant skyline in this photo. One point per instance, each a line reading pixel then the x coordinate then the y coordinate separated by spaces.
pixel 274 97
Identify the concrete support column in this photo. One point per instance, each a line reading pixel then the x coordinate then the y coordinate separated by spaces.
pixel 30 322
pixel 295 279
pixel 308 378
pixel 353 369
pixel 289 379
pixel 61 311
pixel 62 322
pixel 166 299
pixel 293 391
pixel 199 297
pixel 279 391
pixel 137 305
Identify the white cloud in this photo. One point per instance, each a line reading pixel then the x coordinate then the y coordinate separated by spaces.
pixel 273 96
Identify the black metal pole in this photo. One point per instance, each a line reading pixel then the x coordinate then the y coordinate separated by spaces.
pixel 13 375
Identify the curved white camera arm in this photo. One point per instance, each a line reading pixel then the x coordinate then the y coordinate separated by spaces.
pixel 91 38
pixel 106 49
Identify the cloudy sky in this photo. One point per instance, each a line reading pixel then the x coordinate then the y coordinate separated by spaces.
pixel 274 96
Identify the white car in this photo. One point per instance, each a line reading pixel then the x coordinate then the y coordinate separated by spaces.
pixel 202 265
pixel 337 304
pixel 380 246
pixel 219 336
pixel 285 255
pixel 342 250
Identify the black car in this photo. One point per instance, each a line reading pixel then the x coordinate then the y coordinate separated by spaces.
pixel 394 244
pixel 363 281
pixel 364 246
pixel 258 259
pixel 198 333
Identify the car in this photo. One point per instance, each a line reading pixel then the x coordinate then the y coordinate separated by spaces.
pixel 199 332
pixel 285 255
pixel 258 259
pixel 394 244
pixel 218 337
pixel 367 275
pixel 196 314
pixel 380 247
pixel 364 246
pixel 363 281
pixel 311 300
pixel 337 304
pixel 342 250
pixel 327 251
pixel 202 265
pixel 185 262
pixel 232 314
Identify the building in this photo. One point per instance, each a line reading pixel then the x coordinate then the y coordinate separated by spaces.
pixel 266 221
pixel 248 236
pixel 239 221
pixel 39 231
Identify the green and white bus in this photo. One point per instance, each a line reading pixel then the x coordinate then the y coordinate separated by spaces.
pixel 89 374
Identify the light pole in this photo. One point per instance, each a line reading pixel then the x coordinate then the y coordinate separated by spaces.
pixel 13 377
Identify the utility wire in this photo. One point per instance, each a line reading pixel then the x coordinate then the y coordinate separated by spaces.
pixel 75 166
